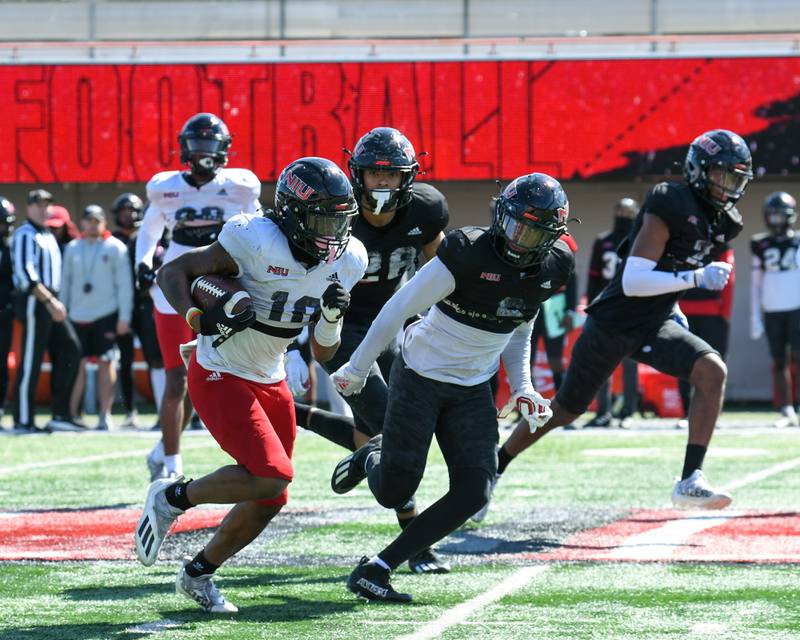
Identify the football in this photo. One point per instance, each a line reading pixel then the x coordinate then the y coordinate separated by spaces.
pixel 210 290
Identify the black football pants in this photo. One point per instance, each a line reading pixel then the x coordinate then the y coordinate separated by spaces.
pixel 61 342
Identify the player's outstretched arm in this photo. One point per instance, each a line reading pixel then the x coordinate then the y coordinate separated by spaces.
pixel 432 283
pixel 640 278
pixel 175 277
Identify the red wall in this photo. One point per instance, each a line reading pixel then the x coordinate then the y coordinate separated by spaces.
pixel 477 120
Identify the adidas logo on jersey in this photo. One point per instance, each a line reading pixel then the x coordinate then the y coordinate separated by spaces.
pixel 222 192
pixel 334 277
pixel 213 376
pixel 546 285
pixel 416 231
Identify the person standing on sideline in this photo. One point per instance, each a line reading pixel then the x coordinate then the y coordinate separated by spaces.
pixel 97 290
pixel 127 210
pixel 7 219
pixel 775 296
pixel 602 268
pixel 193 204
pixel 37 278
pixel 61 226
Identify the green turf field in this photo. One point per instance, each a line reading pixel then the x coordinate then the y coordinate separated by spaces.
pixel 516 575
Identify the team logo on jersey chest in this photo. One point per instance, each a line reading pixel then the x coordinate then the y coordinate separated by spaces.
pixel 171 194
pixel 491 277
pixel 278 271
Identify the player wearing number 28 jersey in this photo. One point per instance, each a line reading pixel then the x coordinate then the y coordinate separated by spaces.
pixel 400 222
pixel 192 205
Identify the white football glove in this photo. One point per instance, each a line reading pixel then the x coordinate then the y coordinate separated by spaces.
pixel 347 381
pixel 756 327
pixel 713 276
pixel 532 407
pixel 296 373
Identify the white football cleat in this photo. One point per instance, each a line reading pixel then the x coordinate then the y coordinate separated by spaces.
pixel 155 521
pixel 695 493
pixel 203 591
pixel 480 515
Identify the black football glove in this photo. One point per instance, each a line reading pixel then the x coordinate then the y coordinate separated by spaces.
pixel 216 321
pixel 145 277
pixel 334 302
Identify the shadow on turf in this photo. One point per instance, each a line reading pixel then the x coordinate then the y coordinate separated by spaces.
pixel 259 580
pixel 465 542
pixel 284 609
pixel 71 631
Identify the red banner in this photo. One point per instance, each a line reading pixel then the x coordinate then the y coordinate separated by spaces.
pixel 477 120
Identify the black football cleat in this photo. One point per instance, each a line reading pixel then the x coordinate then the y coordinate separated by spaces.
pixel 351 470
pixel 428 561
pixel 371 581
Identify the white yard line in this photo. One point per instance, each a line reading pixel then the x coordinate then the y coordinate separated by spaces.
pixel 761 475
pixel 20 468
pixel 460 613
pixel 661 542
pixel 655 544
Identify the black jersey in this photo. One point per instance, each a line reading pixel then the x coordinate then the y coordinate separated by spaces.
pixel 6 278
pixel 394 250
pixel 775 253
pixel 696 233
pixel 605 259
pixel 490 294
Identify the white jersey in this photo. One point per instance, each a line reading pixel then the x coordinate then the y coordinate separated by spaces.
pixel 194 215
pixel 285 295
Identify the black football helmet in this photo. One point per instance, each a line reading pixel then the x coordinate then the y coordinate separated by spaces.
pixel 530 215
pixel 315 207
pixel 7 211
pixel 780 212
pixel 131 203
pixel 383 149
pixel 204 142
pixel 718 167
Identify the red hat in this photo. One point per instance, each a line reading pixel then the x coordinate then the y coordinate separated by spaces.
pixel 58 217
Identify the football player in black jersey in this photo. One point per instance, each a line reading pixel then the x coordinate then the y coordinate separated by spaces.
pixel 602 267
pixel 668 252
pixel 775 294
pixel 400 223
pixel 483 288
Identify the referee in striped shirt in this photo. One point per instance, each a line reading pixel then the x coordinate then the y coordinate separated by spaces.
pixel 37 278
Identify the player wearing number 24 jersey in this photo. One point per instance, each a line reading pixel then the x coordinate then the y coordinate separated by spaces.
pixel 775 293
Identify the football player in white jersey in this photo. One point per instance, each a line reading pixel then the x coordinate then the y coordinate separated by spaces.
pixel 298 263
pixel 192 204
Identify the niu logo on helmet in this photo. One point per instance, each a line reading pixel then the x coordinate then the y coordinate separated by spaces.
pixel 298 187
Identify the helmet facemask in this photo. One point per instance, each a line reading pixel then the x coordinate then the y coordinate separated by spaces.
pixel 526 238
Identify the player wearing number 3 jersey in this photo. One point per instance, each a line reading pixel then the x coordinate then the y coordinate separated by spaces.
pixel 192 205
pixel 678 230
